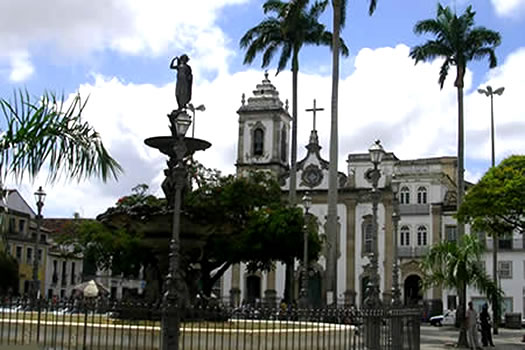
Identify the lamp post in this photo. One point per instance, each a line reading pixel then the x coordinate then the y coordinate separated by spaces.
pixel 376 155
pixel 307 202
pixel 396 291
pixel 200 108
pixel 177 174
pixel 40 195
pixel 490 93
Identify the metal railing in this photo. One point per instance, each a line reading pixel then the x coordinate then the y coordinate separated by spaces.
pixel 103 324
pixel 412 252
pixel 517 243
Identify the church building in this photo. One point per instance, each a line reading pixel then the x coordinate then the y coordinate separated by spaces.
pixel 425 199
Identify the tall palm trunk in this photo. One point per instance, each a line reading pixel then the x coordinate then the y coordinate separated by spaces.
pixel 331 278
pixel 293 157
pixel 462 339
pixel 293 169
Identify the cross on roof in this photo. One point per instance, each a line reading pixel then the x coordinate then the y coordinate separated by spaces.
pixel 314 110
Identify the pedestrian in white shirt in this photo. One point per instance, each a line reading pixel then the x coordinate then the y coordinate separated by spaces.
pixel 472 333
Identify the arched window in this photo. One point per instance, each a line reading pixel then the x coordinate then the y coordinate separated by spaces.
pixel 421 236
pixel 404 236
pixel 422 195
pixel 258 142
pixel 284 147
pixel 404 195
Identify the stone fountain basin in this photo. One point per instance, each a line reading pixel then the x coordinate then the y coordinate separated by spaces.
pixel 165 144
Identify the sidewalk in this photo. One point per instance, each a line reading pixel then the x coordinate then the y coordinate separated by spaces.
pixel 438 338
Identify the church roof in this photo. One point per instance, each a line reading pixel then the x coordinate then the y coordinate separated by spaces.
pixel 265 97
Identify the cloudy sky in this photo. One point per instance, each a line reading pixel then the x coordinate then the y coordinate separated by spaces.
pixel 117 52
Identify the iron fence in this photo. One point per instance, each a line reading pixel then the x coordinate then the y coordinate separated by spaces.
pixel 103 324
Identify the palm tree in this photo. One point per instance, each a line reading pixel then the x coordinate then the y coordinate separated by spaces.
pixel 291 27
pixel 339 19
pixel 456 265
pixel 458 42
pixel 48 133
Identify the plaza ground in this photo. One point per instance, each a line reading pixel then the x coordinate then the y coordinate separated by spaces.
pixel 434 338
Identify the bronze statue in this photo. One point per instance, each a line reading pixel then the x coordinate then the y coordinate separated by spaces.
pixel 184 80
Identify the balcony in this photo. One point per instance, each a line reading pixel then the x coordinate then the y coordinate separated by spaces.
pixel 513 244
pixel 412 252
pixel 414 209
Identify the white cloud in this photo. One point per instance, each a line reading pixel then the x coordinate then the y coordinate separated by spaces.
pixel 509 111
pixel 148 27
pixel 509 8
pixel 21 68
pixel 386 97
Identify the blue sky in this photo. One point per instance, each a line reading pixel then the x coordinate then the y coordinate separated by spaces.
pixel 118 53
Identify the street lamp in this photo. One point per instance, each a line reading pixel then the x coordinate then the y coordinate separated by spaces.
pixel 40 196
pixel 307 203
pixel 201 108
pixel 396 291
pixel 490 93
pixel 376 155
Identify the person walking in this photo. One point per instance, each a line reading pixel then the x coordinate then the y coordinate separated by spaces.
pixel 484 318
pixel 472 334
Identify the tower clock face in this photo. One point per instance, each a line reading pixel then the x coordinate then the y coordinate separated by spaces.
pixel 312 176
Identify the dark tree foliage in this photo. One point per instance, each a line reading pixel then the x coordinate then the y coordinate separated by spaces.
pixel 8 273
pixel 225 220
pixel 248 222
pixel 496 204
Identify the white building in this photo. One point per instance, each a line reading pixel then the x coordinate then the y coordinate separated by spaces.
pixel 427 203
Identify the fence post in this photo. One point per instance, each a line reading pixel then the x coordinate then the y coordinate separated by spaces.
pixel 373 328
pixel 397 329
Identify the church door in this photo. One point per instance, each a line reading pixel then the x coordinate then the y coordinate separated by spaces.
pixel 413 290
pixel 253 289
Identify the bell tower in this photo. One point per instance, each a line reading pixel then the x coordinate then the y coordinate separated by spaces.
pixel 264 131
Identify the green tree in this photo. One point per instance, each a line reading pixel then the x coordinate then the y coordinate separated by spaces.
pixel 48 132
pixel 458 42
pixel 9 273
pixel 245 217
pixel 339 20
pixel 496 204
pixel 456 265
pixel 225 220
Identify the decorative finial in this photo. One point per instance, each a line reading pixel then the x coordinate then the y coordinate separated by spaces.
pixel 266 74
pixel 243 99
pixel 286 104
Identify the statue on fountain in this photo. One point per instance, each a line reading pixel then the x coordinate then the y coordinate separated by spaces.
pixel 184 81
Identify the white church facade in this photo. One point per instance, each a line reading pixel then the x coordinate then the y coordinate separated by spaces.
pixel 426 200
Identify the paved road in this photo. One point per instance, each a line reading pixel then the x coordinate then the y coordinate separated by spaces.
pixel 438 338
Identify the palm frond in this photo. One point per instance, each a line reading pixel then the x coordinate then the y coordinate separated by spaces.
pixel 343 5
pixel 285 56
pixel 429 51
pixel 317 9
pixel 51 133
pixel 443 73
pixel 372 7
pixel 277 6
